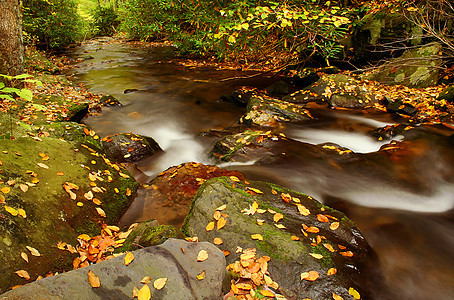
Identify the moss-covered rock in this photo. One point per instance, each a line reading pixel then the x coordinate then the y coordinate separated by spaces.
pixel 307 236
pixel 129 147
pixel 149 233
pixel 37 211
pixel 416 68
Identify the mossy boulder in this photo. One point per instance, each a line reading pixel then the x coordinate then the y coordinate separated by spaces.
pixel 37 61
pixel 306 236
pixel 338 90
pixel 149 233
pixel 129 147
pixel 447 94
pixel 416 68
pixel 36 210
pixel 266 111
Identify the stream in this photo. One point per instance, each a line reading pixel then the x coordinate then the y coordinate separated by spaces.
pixel 402 203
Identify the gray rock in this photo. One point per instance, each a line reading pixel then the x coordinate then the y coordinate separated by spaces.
pixel 289 257
pixel 129 147
pixel 175 260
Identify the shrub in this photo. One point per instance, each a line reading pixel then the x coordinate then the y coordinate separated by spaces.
pixel 105 21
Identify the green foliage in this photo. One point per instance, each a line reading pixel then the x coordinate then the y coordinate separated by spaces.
pixel 7 92
pixel 253 29
pixel 51 23
pixel 105 21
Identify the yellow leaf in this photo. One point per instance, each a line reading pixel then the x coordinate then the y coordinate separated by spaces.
pixel 44 166
pixel 11 210
pixel 23 187
pixel 60 173
pixel 280 226
pixel 24 274
pixel 222 207
pixel 257 236
pixel 24 256
pixel 412 8
pixel 221 223
pixel 232 39
pixel 33 251
pixel 22 213
pixel 201 275
pixel 5 190
pixel 159 283
pixel 303 210
pixel 129 257
pixel 123 175
pixel 217 215
pixel 337 297
pixel 334 225
pixel 354 293
pixel 93 280
pixel 278 217
pixel 322 218
pixel 329 247
pixel 255 190
pixel 144 293
pixel 267 293
pixel 217 241
pixel 101 212
pixel 146 280
pixel 316 255
pixel 210 226
pixel 88 195
pixel 202 256
pixel 245 26
pixel 310 276
pixel 2 199
pixel 234 179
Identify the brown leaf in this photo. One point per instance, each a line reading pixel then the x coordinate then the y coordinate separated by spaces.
pixel 93 280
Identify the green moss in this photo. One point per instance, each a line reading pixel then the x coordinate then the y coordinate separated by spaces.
pixel 326 261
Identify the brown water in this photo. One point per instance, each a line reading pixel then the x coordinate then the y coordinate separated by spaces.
pixel 402 202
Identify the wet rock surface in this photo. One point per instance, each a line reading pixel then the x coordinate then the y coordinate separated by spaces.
pixel 129 147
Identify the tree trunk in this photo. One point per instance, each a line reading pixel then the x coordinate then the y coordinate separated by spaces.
pixel 11 43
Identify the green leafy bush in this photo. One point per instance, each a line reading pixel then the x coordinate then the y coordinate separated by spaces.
pixel 51 23
pixel 105 21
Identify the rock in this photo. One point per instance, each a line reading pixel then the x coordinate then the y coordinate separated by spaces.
pixel 129 147
pixel 36 168
pixel 305 77
pixel 447 94
pixel 109 100
pixel 117 280
pixel 400 107
pixel 278 89
pixel 168 196
pixel 149 233
pixel 265 111
pixel 376 31
pixel 128 91
pixel 313 237
pixel 240 96
pixel 337 90
pixel 416 68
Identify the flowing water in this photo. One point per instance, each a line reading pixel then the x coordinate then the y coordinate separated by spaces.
pixel 403 203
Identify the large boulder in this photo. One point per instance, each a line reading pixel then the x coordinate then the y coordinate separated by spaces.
pixel 315 251
pixel 416 68
pixel 175 260
pixel 129 147
pixel 55 183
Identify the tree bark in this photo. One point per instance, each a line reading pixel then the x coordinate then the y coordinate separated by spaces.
pixel 11 43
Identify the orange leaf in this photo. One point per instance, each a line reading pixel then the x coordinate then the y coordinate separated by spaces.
pixel 278 217
pixel 322 218
pixel 221 223
pixel 267 293
pixel 286 197
pixel 303 210
pixel 257 237
pixel 337 297
pixel 93 280
pixel 310 276
pixel 24 274
pixel 334 225
pixel 2 199
pixel 346 253
pixel 123 175
pixel 5 190
pixel 217 241
pixel 313 229
pixel 210 226
pixel 332 271
pixel 329 247
pixel 295 238
pixel 129 257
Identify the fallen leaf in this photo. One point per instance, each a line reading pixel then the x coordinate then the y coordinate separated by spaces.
pixel 286 197
pixel 24 256
pixel 101 212
pixel 267 293
pixel 322 218
pixel 346 253
pixel 303 210
pixel 60 173
pixel 23 187
pixel 217 241
pixel 255 190
pixel 2 199
pixel 201 275
pixel 146 280
pixel 202 256
pixel 332 271
pixel 5 190
pixel 44 166
pixel 316 255
pixel 221 223
pixel 210 226
pixel 280 226
pixel 129 257
pixel 354 293
pixel 24 274
pixel 337 297
pixel 144 293
pixel 334 225
pixel 257 236
pixel 234 179
pixel 295 238
pixel 329 247
pixel 222 207
pixel 88 195
pixel 123 175
pixel 313 229
pixel 277 217
pixel 159 283
pixel 11 210
pixel 310 276
pixel 93 280
pixel 22 213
